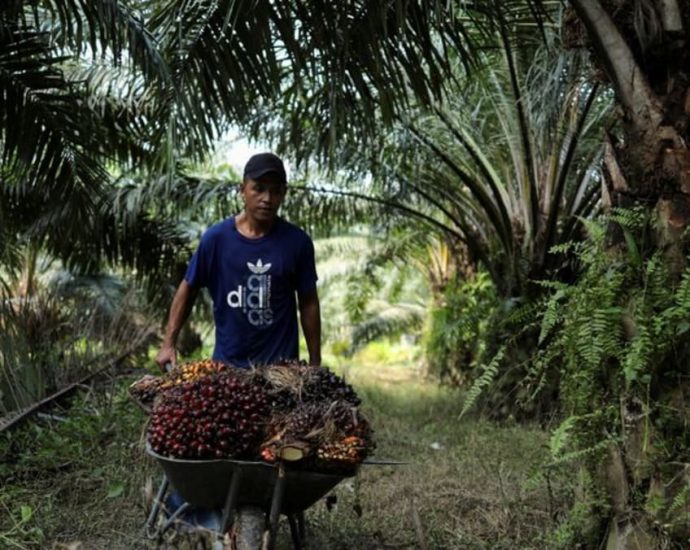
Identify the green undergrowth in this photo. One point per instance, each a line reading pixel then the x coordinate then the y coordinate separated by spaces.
pixel 79 481
pixel 75 475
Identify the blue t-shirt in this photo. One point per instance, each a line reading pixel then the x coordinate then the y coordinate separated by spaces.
pixel 253 283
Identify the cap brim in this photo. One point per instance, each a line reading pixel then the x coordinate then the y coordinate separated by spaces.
pixel 256 174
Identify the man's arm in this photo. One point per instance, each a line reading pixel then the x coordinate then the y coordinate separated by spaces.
pixel 310 317
pixel 179 311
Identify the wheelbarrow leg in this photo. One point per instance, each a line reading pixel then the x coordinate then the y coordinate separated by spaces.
pixel 301 524
pixel 155 510
pixel 230 503
pixel 173 517
pixel 276 505
pixel 297 538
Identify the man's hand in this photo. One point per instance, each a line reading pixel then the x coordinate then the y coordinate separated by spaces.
pixel 179 311
pixel 167 354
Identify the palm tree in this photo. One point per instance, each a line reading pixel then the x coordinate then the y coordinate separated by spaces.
pixel 514 174
pixel 640 49
pixel 644 57
pixel 371 293
pixel 65 82
pixel 345 67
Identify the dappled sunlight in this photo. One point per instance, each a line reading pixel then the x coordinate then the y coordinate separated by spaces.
pixel 381 363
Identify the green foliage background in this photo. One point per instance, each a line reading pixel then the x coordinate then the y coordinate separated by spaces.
pixel 458 327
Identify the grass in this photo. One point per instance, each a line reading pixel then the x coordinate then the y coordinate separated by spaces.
pixel 468 484
pixel 78 483
pixel 75 479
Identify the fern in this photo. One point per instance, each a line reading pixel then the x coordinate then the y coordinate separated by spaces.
pixel 681 310
pixel 580 454
pixel 596 232
pixel 485 379
pixel 524 314
pixel 638 355
pixel 634 219
pixel 561 436
pixel 681 500
pixel 552 314
pixel 615 341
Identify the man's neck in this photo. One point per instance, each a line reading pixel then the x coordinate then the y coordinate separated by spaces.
pixel 251 228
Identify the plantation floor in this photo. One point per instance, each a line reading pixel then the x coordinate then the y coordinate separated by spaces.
pixel 78 482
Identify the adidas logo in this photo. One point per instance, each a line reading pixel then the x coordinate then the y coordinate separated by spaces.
pixel 258 267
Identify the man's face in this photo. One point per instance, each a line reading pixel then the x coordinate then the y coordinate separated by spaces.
pixel 263 197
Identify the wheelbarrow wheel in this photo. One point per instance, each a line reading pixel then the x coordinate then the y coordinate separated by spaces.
pixel 248 530
pixel 185 541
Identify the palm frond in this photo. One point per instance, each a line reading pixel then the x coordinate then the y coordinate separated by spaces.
pixel 106 29
pixel 390 321
pixel 345 68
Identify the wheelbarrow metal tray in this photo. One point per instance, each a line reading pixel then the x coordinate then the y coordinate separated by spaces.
pixel 206 482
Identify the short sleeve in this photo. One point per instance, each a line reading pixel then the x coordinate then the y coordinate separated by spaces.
pixel 197 269
pixel 306 273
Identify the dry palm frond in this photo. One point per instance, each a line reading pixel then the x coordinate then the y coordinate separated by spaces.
pixel 282 378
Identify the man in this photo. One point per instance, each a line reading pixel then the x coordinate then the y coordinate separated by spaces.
pixel 253 265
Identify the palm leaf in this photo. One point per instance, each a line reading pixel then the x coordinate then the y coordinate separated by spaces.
pixel 391 320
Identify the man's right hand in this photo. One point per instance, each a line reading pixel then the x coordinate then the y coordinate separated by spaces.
pixel 167 354
pixel 179 311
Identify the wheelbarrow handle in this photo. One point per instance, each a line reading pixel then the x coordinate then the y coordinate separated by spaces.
pixel 168 367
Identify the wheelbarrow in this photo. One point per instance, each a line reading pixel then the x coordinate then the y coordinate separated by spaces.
pixel 229 484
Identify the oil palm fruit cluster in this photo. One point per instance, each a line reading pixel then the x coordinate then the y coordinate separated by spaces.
pixel 321 431
pixel 347 434
pixel 301 426
pixel 145 390
pixel 283 383
pixel 349 449
pixel 220 415
pixel 192 371
pixel 322 383
pixel 291 383
pixel 346 442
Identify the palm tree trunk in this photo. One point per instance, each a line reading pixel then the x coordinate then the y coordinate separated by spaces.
pixel 27 285
pixel 649 166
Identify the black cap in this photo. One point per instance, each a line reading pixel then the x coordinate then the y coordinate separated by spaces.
pixel 262 164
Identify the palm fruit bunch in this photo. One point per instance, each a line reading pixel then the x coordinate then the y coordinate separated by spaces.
pixel 145 390
pixel 347 438
pixel 299 428
pixel 282 383
pixel 291 383
pixel 192 371
pixel 321 383
pixel 349 449
pixel 326 433
pixel 220 415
